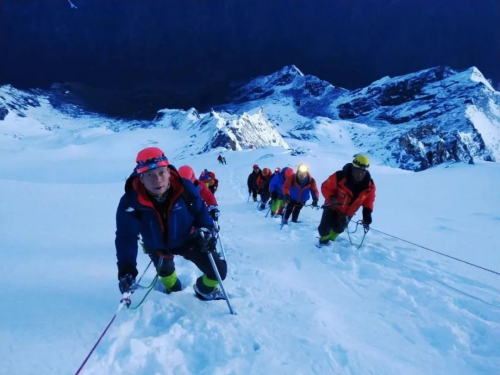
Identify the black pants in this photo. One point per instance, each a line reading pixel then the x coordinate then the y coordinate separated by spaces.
pixel 254 193
pixel 166 266
pixel 264 195
pixel 293 208
pixel 332 220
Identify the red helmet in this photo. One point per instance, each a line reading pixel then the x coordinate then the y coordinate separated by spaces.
pixel 255 166
pixel 288 172
pixel 150 158
pixel 187 172
pixel 266 171
pixel 277 170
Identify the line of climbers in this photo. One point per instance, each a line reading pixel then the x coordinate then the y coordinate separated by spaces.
pixel 173 213
pixel 345 192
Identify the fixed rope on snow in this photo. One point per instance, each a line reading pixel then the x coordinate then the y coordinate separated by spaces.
pixel 125 301
pixel 150 288
pixel 439 253
pixel 366 228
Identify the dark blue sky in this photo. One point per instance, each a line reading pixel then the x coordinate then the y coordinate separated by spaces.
pixel 196 48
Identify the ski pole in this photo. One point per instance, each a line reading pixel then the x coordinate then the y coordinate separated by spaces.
pixel 283 217
pixel 248 199
pixel 220 239
pixel 268 211
pixel 211 257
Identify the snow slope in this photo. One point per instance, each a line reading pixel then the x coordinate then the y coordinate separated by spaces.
pixel 387 308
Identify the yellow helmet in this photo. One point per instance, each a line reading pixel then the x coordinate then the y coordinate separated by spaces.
pixel 361 161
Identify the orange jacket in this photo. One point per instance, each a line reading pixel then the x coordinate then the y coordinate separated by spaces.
pixel 261 181
pixel 335 190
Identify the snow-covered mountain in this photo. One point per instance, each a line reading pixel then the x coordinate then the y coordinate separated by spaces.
pixel 38 112
pixel 430 117
pixel 413 121
pixel 233 132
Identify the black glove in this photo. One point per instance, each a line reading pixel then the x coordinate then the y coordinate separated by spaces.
pixel 127 269
pixel 288 198
pixel 126 283
pixel 274 196
pixel 367 216
pixel 207 239
pixel 315 203
pixel 214 212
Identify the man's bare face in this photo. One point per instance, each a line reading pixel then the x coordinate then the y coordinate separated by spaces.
pixel 358 174
pixel 156 181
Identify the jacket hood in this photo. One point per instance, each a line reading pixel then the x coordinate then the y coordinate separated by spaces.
pixel 282 173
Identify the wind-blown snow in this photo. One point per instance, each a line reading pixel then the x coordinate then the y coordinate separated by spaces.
pixel 489 129
pixel 478 77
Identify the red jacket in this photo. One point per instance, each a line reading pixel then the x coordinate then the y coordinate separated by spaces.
pixel 336 190
pixel 206 194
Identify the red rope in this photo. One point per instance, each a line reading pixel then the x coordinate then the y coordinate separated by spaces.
pixel 123 302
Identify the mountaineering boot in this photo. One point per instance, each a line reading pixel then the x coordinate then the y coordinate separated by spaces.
pixel 214 295
pixel 171 283
pixel 324 240
pixel 207 289
pixel 262 206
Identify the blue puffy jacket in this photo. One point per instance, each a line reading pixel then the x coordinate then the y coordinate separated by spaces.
pixel 301 191
pixel 137 215
pixel 204 176
pixel 277 182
